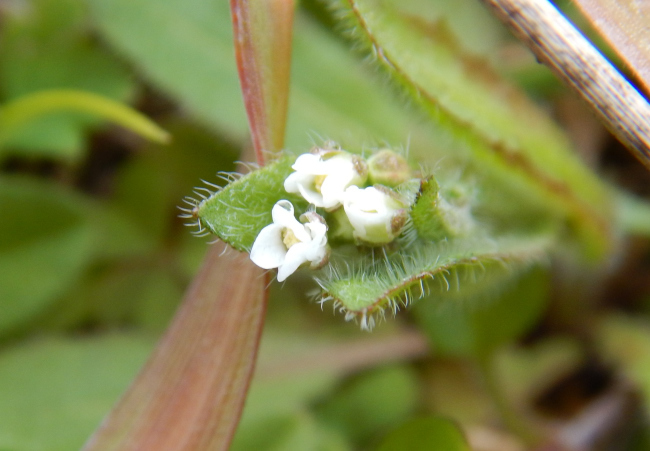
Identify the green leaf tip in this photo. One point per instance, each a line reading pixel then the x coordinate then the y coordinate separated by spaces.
pixel 237 212
pixel 19 112
pixel 440 213
pixel 365 289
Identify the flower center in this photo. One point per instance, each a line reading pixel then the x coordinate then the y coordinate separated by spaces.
pixel 318 182
pixel 289 238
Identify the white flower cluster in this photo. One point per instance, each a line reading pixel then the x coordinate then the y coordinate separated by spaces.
pixel 328 179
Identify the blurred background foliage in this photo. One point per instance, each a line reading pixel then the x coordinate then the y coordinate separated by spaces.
pixel 94 261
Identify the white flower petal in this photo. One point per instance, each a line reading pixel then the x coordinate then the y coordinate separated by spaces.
pixel 311 195
pixel 283 215
pixel 336 173
pixel 268 249
pixel 308 163
pixel 294 258
pixel 317 248
pixel 333 187
pixel 296 179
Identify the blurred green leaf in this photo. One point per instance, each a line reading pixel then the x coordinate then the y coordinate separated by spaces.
pixel 371 402
pixel 276 415
pixel 527 370
pixel 425 434
pixel 45 244
pixel 333 96
pixel 53 392
pixel 185 48
pixel 139 293
pixel 501 305
pixel 151 186
pixel 118 234
pixel 297 432
pixel 625 341
pixel 295 388
pixel 47 46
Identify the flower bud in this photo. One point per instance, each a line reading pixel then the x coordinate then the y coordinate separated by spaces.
pixel 376 214
pixel 388 168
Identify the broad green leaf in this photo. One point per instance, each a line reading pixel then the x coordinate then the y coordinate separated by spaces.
pixel 484 314
pixel 46 46
pixel 500 128
pixel 54 391
pixel 424 434
pixel 372 402
pixel 276 410
pixel 334 97
pixel 45 243
pixel 185 49
pixel 476 29
pixel 118 235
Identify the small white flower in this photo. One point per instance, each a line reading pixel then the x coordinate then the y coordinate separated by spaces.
pixel 286 244
pixel 322 177
pixel 375 213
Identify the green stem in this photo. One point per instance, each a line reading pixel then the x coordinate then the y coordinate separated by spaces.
pixel 17 113
pixel 512 419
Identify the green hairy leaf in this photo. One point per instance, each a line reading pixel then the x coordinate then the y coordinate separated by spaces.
pixel 238 212
pixel 365 290
pixel 502 130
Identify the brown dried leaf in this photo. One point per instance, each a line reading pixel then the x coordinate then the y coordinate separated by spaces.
pixel 624 24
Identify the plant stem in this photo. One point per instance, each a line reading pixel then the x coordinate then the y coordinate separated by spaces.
pixel 512 419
